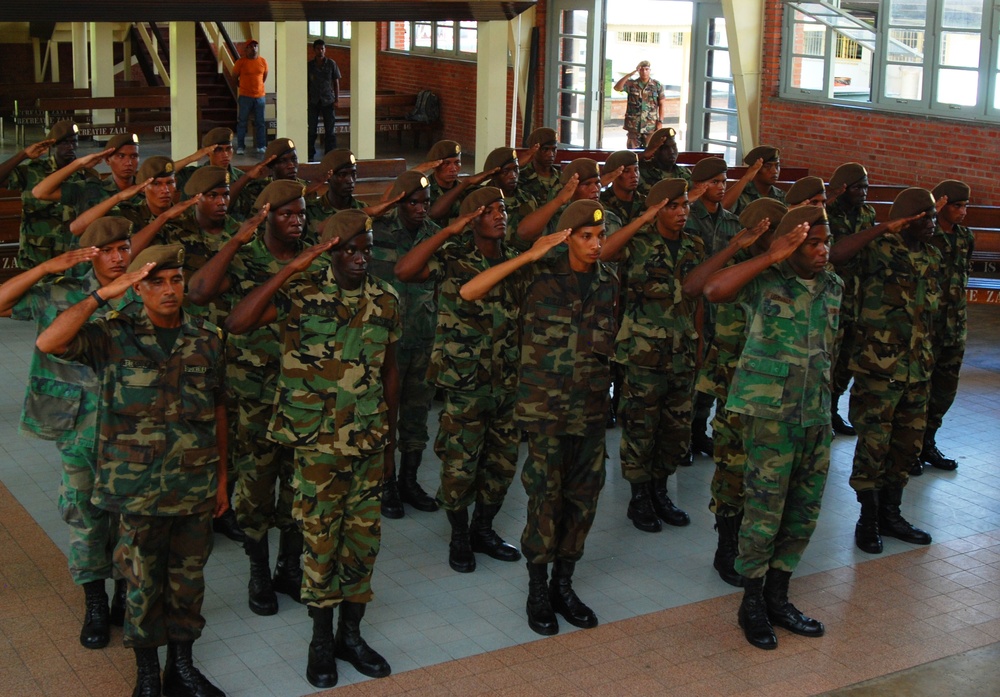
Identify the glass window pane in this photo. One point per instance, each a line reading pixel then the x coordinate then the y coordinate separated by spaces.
pixel 572 77
pixel 810 40
pixel 909 13
pixel 960 49
pixel 722 126
pixel 575 22
pixel 573 50
pixel 717 64
pixel 314 28
pixel 996 92
pixel 962 14
pixel 571 132
pixel 906 46
pixel 399 35
pixel 422 34
pixel 720 95
pixel 345 30
pixel 468 37
pixel 807 73
pixel 717 32
pixel 958 87
pixel 904 81
pixel 331 29
pixel 445 36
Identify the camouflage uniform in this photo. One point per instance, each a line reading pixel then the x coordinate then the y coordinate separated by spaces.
pixel 898 295
pixel 183 174
pixel 657 346
pixel 77 195
pixel 626 211
pixel 330 407
pixel 751 194
pixel 157 460
pixel 642 109
pixel 436 193
pixel 782 387
pixel 539 188
pixel 518 206
pixel 318 209
pixel 650 173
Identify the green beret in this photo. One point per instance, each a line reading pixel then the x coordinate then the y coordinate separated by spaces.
pixel 666 132
pixel 155 167
pixel 345 224
pixel 804 189
pixel 955 190
pixel 483 196
pixel 767 153
pixel 770 208
pixel 205 179
pixel 584 166
pixel 620 158
pixel 217 136
pixel 910 202
pixel 279 147
pixel 848 174
pixel 542 136
pixel 581 214
pixel 165 256
pixel 499 158
pixel 804 214
pixel 336 160
pixel 121 140
pixel 444 149
pixel 279 193
pixel 61 130
pixel 666 190
pixel 106 230
pixel 707 168
pixel 408 182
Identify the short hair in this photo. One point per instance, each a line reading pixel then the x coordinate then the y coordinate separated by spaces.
pixel 318 42
pixel 644 64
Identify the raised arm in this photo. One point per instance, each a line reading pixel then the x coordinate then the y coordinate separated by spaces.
pixel 211 280
pixel 11 291
pixel 412 268
pixel 734 192
pixel 82 221
pixel 193 157
pixel 50 188
pixel 848 247
pixel 694 282
pixel 533 224
pixel 725 284
pixel 439 209
pixel 616 242
pixel 255 172
pixel 524 157
pixel 620 85
pixel 144 237
pixel 483 283
pixel 31 152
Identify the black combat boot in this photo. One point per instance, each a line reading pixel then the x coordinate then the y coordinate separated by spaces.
pixel 321 671
pixel 916 468
pixel 891 522
pixel 485 539
pixel 663 507
pixel 781 612
pixel 410 490
pixel 460 556
pixel 866 530
pixel 564 598
pixel 640 509
pixel 701 442
pixel 147 672
pixel 752 616
pixel 226 523
pixel 96 630
pixel 392 507
pixel 352 648
pixel 117 616
pixel 932 456
pixel 725 554
pixel 260 590
pixel 288 569
pixel 840 425
pixel 181 678
pixel 541 618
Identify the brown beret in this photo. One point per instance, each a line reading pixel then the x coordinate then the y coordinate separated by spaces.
pixel 952 188
pixel 121 140
pixel 217 136
pixel 165 256
pixel 667 132
pixel 155 167
pixel 500 157
pixel 767 153
pixel 336 160
pixel 279 193
pixel 620 158
pixel 584 166
pixel 581 214
pixel 848 174
pixel 61 130
pixel 910 202
pixel 542 136
pixel 345 224
pixel 408 182
pixel 707 168
pixel 205 179
pixel 444 149
pixel 666 190
pixel 483 196
pixel 106 230
pixel 770 208
pixel 804 189
pixel 279 147
pixel 804 214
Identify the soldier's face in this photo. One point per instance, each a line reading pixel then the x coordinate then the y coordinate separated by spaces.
pixel 644 73
pixel 342 182
pixel 162 293
pixel 124 162
pixel 628 180
pixel 812 255
pixel 546 155
pixel 857 193
pixel 289 221
pixel 671 218
pixel 413 209
pixel 588 189
pixel 769 172
pixel 214 205
pixel 954 213
pixel 506 178
pixel 286 166
pixel 350 261
pixel 492 224
pixel 65 150
pixel 447 172
pixel 160 194
pixel 221 156
pixel 112 260
pixel 817 201
pixel 585 245
pixel 666 154
pixel 922 229
pixel 716 189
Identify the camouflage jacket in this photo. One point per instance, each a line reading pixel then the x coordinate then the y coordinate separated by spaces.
pixel 518 206
pixel 898 298
pixel 157 453
pixel 784 371
pixel 956 252
pixel 535 185
pixel 728 339
pixel 417 304
pixel 843 224
pixel 750 194
pixel 715 230
pixel 567 339
pixel 627 211
pixel 77 195
pixel 658 330
pixel 642 109
pixel 612 224
pixel 334 344
pixel 650 173
pixel 183 174
pixel 475 342
pixel 437 192
pixel 318 209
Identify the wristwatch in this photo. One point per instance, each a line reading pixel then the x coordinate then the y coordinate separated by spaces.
pixel 101 302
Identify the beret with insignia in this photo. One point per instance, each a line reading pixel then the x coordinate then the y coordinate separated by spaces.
pixel 278 193
pixel 408 182
pixel 444 149
pixel 955 190
pixel 542 136
pixel 482 196
pixel 165 256
pixel 767 153
pixel 581 214
pixel 336 160
pixel 707 168
pixel 666 190
pixel 584 166
pixel 106 230
pixel 848 174
pixel 770 208
pixel 345 225
pixel 620 158
pixel 205 179
pixel 911 202
pixel 803 214
pixel 500 157
pixel 804 189
pixel 667 133
pixel 121 140
pixel 155 167
pixel 61 130
pixel 217 136
pixel 279 147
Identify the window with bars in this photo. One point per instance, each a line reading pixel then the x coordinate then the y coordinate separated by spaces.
pixel 448 39
pixel 330 32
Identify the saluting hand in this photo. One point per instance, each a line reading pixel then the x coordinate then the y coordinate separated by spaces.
pixel 546 242
pixel 458 225
pixel 257 171
pixel 91 159
pixel 832 194
pixel 126 281
pixel 898 224
pixel 697 191
pixel 609 177
pixel 755 167
pixel 68 260
pixel 477 179
pixel 565 194
pixel 784 246
pixel 941 203
pixel 36 150
pixel 429 166
pixel 744 238
pixel 305 259
pixel 249 227
pixel 134 190
pixel 385 204
pixel 176 210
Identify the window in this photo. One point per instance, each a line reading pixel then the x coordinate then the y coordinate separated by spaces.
pixel 330 32
pixel 646 37
pixel 448 39
pixel 677 39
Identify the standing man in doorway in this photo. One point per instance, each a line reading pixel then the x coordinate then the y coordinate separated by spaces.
pixel 647 104
pixel 324 95
pixel 251 73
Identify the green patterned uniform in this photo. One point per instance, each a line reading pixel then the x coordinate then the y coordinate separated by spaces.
pixel 183 174
pixel 782 387
pixel 650 173
pixel 657 348
pixel 518 206
pixel 535 185
pixel 898 296
pixel 331 409
pixel 437 192
pixel 642 107
pixel 77 195
pixel 627 211
pixel 474 361
pixel 157 460
pixel 750 194
pixel 318 209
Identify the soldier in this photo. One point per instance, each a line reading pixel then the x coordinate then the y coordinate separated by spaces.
pixel 955 242
pixel 807 191
pixel 217 146
pixel 161 455
pixel 567 340
pixel 781 387
pixel 540 177
pixel 762 185
pixel 659 161
pixel 622 197
pixel 335 404
pixel 646 107
pixel 503 162
pixel 446 188
pixel 61 405
pixel 281 159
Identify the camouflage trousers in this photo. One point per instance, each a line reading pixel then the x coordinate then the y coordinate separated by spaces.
pixel 656 422
pixel 163 560
pixel 93 531
pixel 563 477
pixel 477 443
pixel 890 418
pixel 786 472
pixel 840 374
pixel 944 383
pixel 730 463
pixel 415 397
pixel 337 505
pixel 261 465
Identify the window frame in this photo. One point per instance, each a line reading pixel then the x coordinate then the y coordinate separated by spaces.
pixel 454 53
pixel 329 39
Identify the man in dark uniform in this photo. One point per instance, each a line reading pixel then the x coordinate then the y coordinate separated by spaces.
pixel 763 183
pixel 622 197
pixel 323 97
pixel 217 146
pixel 659 160
pixel 280 159
pixel 540 177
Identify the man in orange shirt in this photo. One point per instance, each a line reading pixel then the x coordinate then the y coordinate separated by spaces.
pixel 251 72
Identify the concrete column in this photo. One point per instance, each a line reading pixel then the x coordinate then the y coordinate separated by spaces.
pixel 491 90
pixel 102 68
pixel 292 83
pixel 364 45
pixel 264 32
pixel 81 72
pixel 54 59
pixel 745 59
pixel 183 91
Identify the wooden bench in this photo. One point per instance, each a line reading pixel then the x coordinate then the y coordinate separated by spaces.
pixel 17 102
pixel 10 231
pixel 565 155
pixel 145 111
pixel 374 176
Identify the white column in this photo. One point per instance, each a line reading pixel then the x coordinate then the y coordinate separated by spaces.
pixel 363 50
pixel 745 58
pixel 183 90
pixel 102 68
pixel 81 72
pixel 491 90
pixel 54 59
pixel 292 83
pixel 264 32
